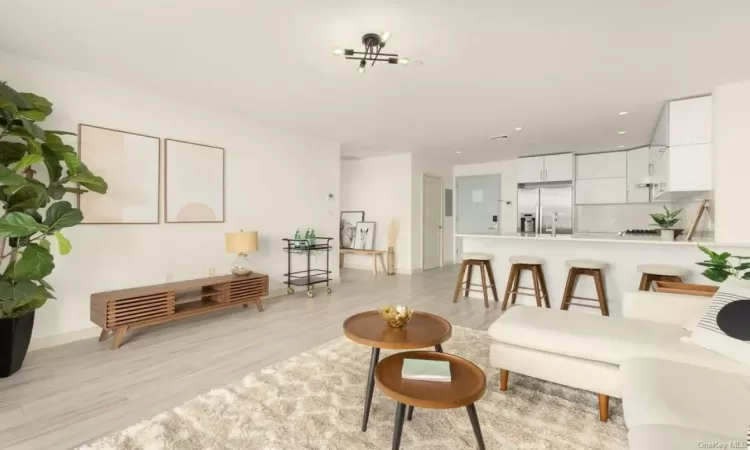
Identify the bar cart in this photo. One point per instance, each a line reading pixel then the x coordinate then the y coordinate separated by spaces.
pixel 310 276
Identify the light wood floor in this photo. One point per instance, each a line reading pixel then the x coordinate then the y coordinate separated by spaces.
pixel 68 395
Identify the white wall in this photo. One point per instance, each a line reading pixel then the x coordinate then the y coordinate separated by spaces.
pixel 425 164
pixel 731 147
pixel 381 187
pixel 276 181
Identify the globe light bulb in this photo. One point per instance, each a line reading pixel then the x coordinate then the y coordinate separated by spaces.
pixel 384 36
pixel 404 61
pixel 362 65
pixel 338 51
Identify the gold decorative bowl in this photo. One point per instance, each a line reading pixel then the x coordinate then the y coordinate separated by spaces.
pixel 396 317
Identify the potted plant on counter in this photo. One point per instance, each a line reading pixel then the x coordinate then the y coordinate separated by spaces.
pixel 666 221
pixel 33 214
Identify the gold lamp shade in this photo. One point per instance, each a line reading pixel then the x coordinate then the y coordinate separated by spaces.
pixel 242 242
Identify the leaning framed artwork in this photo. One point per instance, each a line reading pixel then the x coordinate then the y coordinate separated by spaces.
pixel 130 163
pixel 365 236
pixel 348 227
pixel 193 182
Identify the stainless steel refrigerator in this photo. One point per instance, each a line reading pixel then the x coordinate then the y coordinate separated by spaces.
pixel 541 203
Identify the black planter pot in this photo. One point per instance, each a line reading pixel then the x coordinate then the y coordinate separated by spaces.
pixel 15 335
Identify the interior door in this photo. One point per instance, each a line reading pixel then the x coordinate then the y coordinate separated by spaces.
pixel 477 202
pixel 432 222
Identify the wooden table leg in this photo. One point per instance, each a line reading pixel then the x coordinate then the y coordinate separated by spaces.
pixel 375 264
pixel 259 304
pixel 119 335
pixel 341 260
pixel 410 413
pixel 103 335
pixel 603 407
pixel 382 263
pixel 504 379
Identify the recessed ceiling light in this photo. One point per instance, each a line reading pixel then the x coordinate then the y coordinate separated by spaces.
pixel 620 146
pixel 621 132
pixel 519 128
pixel 622 113
pixel 496 138
pixel 458 152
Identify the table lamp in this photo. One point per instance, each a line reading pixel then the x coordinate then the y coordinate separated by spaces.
pixel 242 243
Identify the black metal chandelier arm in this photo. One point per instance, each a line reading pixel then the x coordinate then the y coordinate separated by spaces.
pixel 388 60
pixel 395 55
pixel 376 56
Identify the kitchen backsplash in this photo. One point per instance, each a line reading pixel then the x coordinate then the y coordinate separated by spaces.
pixel 614 218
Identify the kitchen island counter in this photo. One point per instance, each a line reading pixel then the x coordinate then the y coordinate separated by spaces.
pixel 597 237
pixel 621 253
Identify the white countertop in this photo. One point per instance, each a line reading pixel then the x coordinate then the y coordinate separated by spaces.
pixel 594 237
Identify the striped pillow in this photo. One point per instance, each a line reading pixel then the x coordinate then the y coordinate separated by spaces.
pixel 708 334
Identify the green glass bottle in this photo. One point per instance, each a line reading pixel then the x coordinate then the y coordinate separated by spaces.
pixel 297 238
pixel 313 240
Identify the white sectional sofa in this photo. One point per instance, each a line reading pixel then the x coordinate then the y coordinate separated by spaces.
pixel 675 393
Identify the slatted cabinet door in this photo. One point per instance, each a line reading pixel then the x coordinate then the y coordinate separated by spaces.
pixel 250 288
pixel 128 311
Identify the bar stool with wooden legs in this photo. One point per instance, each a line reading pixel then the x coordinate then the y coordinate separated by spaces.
pixel 485 268
pixel 585 267
pixel 534 265
pixel 659 272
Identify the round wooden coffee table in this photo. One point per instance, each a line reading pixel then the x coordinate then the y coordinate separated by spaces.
pixel 467 385
pixel 368 328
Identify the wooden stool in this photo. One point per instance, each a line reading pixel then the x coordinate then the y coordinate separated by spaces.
pixel 659 272
pixel 585 267
pixel 534 265
pixel 469 261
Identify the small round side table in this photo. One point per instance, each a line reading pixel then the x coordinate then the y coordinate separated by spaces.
pixel 467 385
pixel 424 330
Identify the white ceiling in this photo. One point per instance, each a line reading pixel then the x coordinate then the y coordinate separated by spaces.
pixel 560 69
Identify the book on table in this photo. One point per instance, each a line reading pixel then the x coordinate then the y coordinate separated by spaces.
pixel 426 370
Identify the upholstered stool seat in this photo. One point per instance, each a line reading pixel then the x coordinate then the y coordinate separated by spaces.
pixel 586 264
pixel 485 269
pixel 590 267
pixel 534 265
pixel 659 272
pixel 526 259
pixel 477 256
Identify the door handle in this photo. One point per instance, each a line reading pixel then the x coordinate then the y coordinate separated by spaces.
pixel 545 174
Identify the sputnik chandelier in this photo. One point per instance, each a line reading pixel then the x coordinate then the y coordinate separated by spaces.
pixel 374 44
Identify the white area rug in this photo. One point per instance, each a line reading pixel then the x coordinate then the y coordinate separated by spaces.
pixel 315 401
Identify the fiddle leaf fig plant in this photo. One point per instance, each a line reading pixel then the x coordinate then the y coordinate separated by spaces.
pixel 667 219
pixel 724 265
pixel 34 212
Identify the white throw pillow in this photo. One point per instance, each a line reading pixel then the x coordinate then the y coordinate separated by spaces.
pixel 708 334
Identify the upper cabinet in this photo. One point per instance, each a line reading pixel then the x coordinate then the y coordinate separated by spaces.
pixel 680 154
pixel 600 165
pixel 540 169
pixel 530 170
pixel 690 121
pixel 558 167
pixel 639 173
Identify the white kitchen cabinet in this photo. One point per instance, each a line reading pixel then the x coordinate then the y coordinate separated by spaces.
pixel 530 170
pixel 558 167
pixel 601 191
pixel 601 165
pixel 683 172
pixel 538 169
pixel 690 121
pixel 638 172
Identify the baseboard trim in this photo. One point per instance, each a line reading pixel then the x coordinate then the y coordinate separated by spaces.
pixel 63 338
